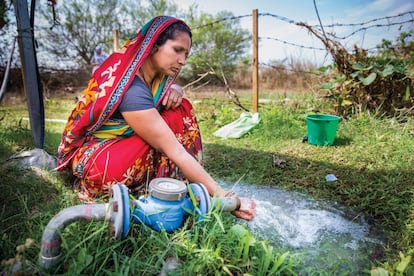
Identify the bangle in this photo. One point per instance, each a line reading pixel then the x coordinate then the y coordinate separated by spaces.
pixel 229 193
pixel 238 203
pixel 177 88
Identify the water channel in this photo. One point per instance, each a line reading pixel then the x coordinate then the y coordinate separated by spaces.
pixel 323 236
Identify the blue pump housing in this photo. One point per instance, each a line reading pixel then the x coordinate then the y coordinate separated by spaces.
pixel 161 214
pixel 170 214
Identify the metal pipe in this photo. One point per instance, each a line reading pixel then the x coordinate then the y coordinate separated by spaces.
pixel 50 253
pixel 30 72
pixel 7 71
pixel 226 204
pixel 118 213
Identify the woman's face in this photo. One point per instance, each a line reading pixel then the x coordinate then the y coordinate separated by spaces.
pixel 170 57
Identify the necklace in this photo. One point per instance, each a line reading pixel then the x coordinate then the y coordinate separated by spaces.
pixel 143 77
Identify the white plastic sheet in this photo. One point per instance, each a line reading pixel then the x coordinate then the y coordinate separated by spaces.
pixel 246 122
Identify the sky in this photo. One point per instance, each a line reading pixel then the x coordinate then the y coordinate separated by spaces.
pixel 330 12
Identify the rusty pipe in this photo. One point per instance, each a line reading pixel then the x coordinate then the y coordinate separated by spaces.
pixel 51 254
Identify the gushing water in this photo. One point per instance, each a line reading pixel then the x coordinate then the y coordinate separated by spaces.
pixel 320 235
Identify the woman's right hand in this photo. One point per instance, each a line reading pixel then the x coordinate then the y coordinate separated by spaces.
pixel 247 210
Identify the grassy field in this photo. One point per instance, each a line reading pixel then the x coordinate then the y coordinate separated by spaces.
pixel 372 158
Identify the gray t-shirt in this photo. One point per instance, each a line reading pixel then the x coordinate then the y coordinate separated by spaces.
pixel 137 97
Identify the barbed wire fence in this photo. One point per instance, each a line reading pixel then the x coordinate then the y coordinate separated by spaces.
pixel 327 39
pixel 405 18
pixel 402 19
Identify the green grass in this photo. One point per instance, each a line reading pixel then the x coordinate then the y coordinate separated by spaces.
pixel 372 159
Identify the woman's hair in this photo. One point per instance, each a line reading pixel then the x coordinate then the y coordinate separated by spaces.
pixel 171 32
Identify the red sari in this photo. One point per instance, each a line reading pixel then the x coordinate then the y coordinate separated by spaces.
pixel 117 155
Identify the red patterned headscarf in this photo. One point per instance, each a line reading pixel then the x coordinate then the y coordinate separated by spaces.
pixel 107 86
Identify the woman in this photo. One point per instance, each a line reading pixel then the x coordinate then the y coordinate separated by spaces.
pixel 98 57
pixel 130 127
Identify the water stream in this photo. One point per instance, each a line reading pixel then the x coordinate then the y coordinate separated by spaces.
pixel 322 235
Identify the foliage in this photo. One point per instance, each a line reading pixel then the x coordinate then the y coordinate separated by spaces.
pixel 3 16
pixel 217 47
pixel 137 13
pixel 381 83
pixel 404 266
pixel 82 25
pixel 37 195
pixel 370 159
pixel 7 32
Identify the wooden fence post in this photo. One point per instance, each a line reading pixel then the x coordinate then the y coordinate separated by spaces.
pixel 116 41
pixel 255 63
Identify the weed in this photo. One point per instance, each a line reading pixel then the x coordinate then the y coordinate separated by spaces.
pixel 371 157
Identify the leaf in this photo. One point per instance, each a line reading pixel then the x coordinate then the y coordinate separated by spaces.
pixel 346 103
pixel 84 258
pixel 278 262
pixel 340 78
pixel 324 69
pixel 219 221
pixel 246 247
pixel 238 230
pixel 359 66
pixel 227 270
pixel 266 258
pixel 379 271
pixel 405 261
pixel 388 70
pixel 252 240
pixel 88 259
pixel 328 86
pixel 355 74
pixel 407 93
pixel 368 80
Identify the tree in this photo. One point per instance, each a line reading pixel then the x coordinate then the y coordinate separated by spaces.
pixel 219 44
pixel 216 46
pixel 84 24
pixel 81 26
pixel 139 13
pixel 6 31
pixel 3 15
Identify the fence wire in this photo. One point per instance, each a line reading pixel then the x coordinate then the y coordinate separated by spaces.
pixel 364 26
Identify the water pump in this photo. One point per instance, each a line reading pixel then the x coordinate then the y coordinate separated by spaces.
pixel 165 207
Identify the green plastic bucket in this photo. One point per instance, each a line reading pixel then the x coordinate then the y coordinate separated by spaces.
pixel 322 129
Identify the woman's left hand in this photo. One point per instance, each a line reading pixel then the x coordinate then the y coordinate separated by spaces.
pixel 174 97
